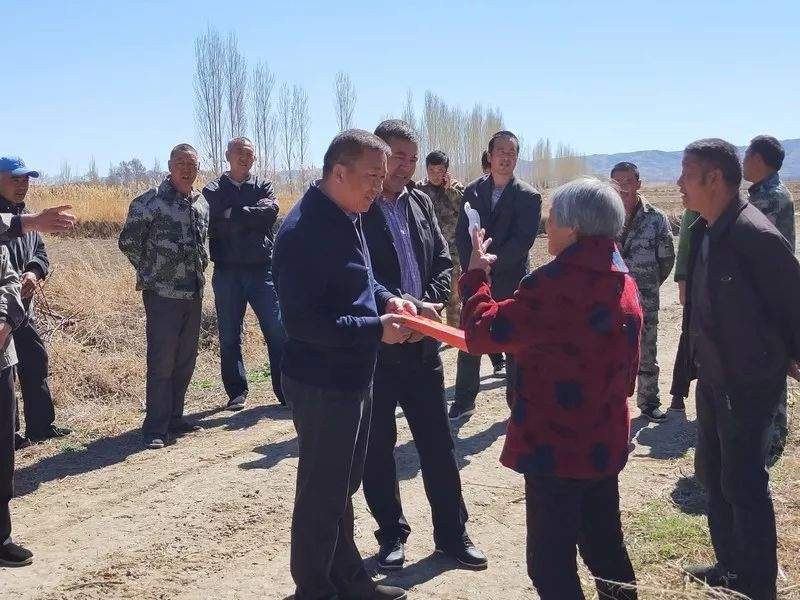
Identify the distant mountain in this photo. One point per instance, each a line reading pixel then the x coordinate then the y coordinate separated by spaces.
pixel 658 165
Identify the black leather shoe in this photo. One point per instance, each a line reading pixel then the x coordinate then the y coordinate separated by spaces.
pixel 49 433
pixel 391 556
pixel 184 427
pixel 373 591
pixel 12 555
pixel 465 553
pixel 712 575
pixel 20 442
pixel 654 415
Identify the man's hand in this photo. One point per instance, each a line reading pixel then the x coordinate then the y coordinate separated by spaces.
pixel 429 311
pixel 794 371
pixel 28 280
pixel 51 220
pixel 480 258
pixel 682 292
pixel 393 330
pixel 5 330
pixel 400 306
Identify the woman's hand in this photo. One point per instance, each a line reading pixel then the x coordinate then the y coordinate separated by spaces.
pixel 480 258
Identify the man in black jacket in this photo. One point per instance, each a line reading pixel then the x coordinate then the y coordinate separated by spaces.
pixel 242 213
pixel 410 257
pixel 509 210
pixel 331 304
pixel 29 258
pixel 742 318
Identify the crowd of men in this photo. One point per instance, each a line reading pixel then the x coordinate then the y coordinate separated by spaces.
pixel 366 245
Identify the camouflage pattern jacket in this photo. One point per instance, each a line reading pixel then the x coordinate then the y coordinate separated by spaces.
pixel 774 199
pixel 12 311
pixel 646 246
pixel 164 238
pixel 446 205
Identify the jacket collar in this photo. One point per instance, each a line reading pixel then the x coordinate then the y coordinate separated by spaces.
pixel 167 190
pixel 595 253
pixel 769 183
pixel 10 207
pixel 250 181
pixel 726 218
pixel 326 206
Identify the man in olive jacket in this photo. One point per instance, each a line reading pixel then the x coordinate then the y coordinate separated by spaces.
pixel 509 210
pixel 742 318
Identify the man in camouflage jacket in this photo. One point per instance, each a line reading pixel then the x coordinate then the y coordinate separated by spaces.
pixel 762 161
pixel 446 194
pixel 647 247
pixel 164 239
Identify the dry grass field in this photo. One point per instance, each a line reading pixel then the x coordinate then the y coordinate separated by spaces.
pixel 208 517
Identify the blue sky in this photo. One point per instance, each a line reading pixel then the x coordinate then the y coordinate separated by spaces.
pixel 114 79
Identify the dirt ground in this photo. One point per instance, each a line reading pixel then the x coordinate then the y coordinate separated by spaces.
pixel 208 517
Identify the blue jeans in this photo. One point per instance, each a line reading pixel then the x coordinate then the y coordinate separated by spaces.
pixel 234 289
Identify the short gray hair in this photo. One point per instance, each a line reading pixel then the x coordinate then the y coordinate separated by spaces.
pixel 591 206
pixel 241 141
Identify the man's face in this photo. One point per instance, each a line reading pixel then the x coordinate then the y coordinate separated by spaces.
pixel 401 165
pixel 629 186
pixel 696 190
pixel 436 174
pixel 14 188
pixel 363 181
pixel 183 169
pixel 503 157
pixel 753 167
pixel 241 157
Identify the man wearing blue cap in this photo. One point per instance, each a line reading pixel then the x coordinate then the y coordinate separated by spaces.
pixel 14 179
pixel 29 259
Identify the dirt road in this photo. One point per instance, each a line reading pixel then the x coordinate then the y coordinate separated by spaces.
pixel 209 516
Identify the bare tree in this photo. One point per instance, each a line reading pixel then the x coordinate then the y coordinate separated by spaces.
pixel 235 78
pixel 209 54
pixel 261 87
pixel 345 100
pixel 286 129
pixel 65 174
pixel 91 175
pixel 300 119
pixel 408 110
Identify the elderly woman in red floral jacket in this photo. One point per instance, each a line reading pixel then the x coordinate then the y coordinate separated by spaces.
pixel 573 327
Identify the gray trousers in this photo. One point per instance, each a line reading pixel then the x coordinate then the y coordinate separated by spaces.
pixel 332 430
pixel 173 332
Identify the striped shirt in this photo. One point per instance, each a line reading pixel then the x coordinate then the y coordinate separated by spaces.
pixel 395 212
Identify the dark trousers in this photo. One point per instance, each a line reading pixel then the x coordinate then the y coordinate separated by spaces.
pixel 563 514
pixel 417 385
pixel 731 452
pixel 32 371
pixel 468 377
pixel 173 332
pixel 234 289
pixel 332 430
pixel 6 450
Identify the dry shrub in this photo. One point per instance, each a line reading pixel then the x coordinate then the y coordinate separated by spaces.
pixel 101 209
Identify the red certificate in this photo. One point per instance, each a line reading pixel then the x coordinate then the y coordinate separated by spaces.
pixel 438 331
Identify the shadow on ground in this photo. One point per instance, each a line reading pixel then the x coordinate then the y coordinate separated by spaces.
pixel 108 451
pixel 667 440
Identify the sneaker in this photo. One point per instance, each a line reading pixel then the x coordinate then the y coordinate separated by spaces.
pixel 154 443
pixel 678 404
pixel 499 365
pixel 183 426
pixel 654 415
pixel 459 411
pixel 49 433
pixel 237 403
pixel 712 575
pixel 20 442
pixel 465 553
pixel 391 556
pixel 12 555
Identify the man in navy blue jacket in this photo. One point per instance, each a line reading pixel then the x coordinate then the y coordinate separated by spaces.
pixel 330 303
pixel 242 213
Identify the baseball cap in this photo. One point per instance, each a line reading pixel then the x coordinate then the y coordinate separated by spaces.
pixel 16 166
